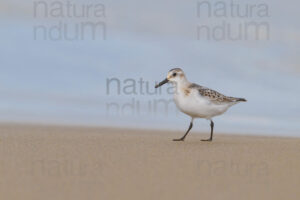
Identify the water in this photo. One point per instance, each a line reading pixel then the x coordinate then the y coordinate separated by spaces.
pixel 65 82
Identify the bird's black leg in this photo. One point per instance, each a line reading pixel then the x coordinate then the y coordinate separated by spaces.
pixel 211 131
pixel 182 138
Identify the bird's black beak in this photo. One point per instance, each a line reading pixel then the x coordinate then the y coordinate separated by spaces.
pixel 161 83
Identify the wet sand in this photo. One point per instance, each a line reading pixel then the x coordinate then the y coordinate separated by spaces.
pixel 62 163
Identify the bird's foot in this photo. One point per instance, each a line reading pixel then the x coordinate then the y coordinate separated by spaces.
pixel 207 140
pixel 180 139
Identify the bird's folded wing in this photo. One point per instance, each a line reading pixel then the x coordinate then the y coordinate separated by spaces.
pixel 213 95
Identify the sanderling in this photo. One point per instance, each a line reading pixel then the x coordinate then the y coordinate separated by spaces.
pixel 197 101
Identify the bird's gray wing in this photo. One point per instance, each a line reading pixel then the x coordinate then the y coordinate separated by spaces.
pixel 213 95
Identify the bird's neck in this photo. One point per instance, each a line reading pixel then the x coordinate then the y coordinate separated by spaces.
pixel 182 84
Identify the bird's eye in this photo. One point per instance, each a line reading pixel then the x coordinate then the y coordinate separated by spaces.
pixel 174 74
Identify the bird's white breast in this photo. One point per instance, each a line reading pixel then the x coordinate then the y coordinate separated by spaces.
pixel 192 103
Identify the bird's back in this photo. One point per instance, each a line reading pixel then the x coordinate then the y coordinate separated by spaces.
pixel 215 96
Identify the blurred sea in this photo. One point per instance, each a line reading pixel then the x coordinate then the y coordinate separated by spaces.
pixel 66 82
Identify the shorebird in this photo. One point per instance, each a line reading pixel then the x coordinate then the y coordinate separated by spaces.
pixel 197 101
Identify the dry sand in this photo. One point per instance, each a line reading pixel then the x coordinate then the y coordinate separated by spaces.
pixel 62 163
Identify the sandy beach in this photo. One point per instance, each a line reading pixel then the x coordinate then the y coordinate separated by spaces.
pixel 62 163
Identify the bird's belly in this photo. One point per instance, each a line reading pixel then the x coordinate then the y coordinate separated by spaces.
pixel 199 107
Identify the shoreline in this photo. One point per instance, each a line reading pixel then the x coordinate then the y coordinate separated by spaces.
pixel 140 129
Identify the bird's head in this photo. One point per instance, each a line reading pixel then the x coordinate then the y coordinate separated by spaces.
pixel 175 75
